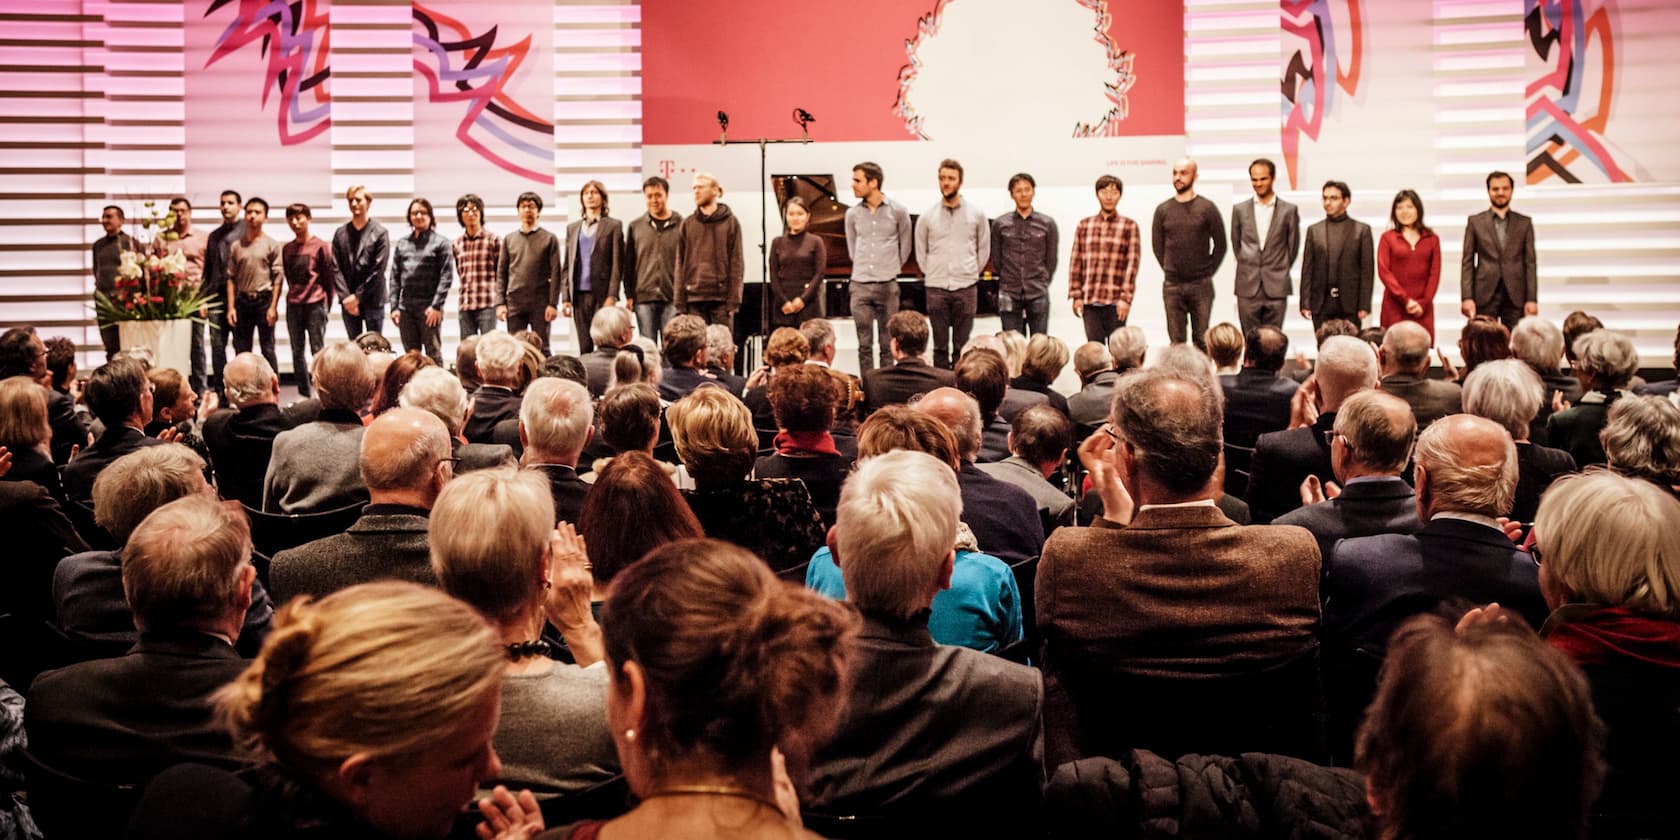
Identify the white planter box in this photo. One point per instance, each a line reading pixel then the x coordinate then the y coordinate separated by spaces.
pixel 170 342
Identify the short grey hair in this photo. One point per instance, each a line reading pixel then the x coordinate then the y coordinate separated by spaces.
pixel 1090 358
pixel 609 325
pixel 895 525
pixel 182 566
pixel 1642 439
pixel 1380 429
pixel 1461 486
pixel 343 376
pixel 488 531
pixel 1601 539
pixel 247 377
pixel 1607 357
pixel 1178 435
pixel 556 415
pixel 720 343
pixel 409 467
pixel 1507 391
pixel 499 357
pixel 820 333
pixel 1538 342
pixel 1127 347
pixel 142 481
pixel 1346 365
pixel 439 392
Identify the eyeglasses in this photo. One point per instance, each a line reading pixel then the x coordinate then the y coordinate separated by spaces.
pixel 1534 551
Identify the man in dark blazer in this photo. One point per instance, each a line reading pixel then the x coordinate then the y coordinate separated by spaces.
pixel 188 577
pixel 1498 274
pixel 242 438
pixel 611 330
pixel 1282 460
pixel 1466 473
pixel 361 249
pixel 1265 237
pixel 1165 587
pixel 38 536
pixel 1369 451
pixel 23 354
pixel 438 391
pixel 910 374
pixel 120 395
pixel 685 355
pixel 1405 373
pixel 557 421
pixel 1003 517
pixel 1088 406
pixel 497 399
pixel 1338 263
pixel 594 259
pixel 1257 398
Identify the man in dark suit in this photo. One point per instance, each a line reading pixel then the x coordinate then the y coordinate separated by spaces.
pixel 820 333
pixel 1265 236
pixel 1498 274
pixel 927 728
pixel 1664 387
pixel 594 259
pixel 1338 264
pixel 1466 473
pixel 1405 373
pixel 611 330
pixel 1539 344
pixel 23 354
pixel 1003 517
pixel 1039 440
pixel 1256 398
pixel 188 577
pixel 1089 406
pixel 1370 449
pixel 555 423
pixel 405 462
pixel 497 399
pixel 1167 588
pixel 685 354
pixel 241 439
pixel 720 359
pixel 1282 460
pixel 910 374
pixel 120 395
pixel 439 392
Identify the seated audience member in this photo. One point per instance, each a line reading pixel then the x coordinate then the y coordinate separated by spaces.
pixel 1664 388
pixel 494 547
pixel 241 438
pixel 1373 335
pixel 1369 451
pixel 786 348
pixel 771 517
pixel 631 489
pixel 981 607
pixel 819 333
pixel 87 588
pixel 805 400
pixel 1479 733
pixel 1282 460
pixel 928 729
pixel 61 363
pixel 314 467
pixel 1539 344
pixel 1004 517
pixel 38 536
pixel 26 434
pixel 983 375
pixel 120 396
pixel 555 422
pixel 1011 347
pixel 1483 339
pixel 612 330
pixel 910 374
pixel 1611 580
pixel 627 420
pixel 466 363
pixel 439 393
pixel 23 354
pixel 1642 440
pixel 499 358
pixel 1505 392
pixel 1575 325
pixel 1257 398
pixel 174 406
pixel 685 353
pixel 1097 376
pixel 1465 474
pixel 1405 374
pixel 1046 355
pixel 370 714
pixel 387 394
pixel 1039 441
pixel 1225 345
pixel 1604 362
pixel 371 342
pixel 187 575
pixel 720 358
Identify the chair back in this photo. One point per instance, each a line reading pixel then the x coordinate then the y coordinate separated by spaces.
pixel 67 806
pixel 81 518
pixel 1237 461
pixel 275 532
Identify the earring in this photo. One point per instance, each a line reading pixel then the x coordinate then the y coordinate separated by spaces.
pixel 629 734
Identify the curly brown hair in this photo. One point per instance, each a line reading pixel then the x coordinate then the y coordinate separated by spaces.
pixel 804 398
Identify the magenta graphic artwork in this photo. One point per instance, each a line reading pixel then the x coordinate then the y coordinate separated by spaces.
pixel 469 69
pixel 1569 102
pixel 1316 45
pixel 292 38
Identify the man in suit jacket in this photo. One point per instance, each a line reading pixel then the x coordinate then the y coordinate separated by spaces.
pixel 555 423
pixel 497 399
pixel 1265 236
pixel 1003 517
pixel 927 727
pixel 1282 460
pixel 611 330
pixel 685 353
pixel 313 466
pixel 1338 264
pixel 1170 590
pixel 405 461
pixel 1498 274
pixel 242 438
pixel 120 395
pixel 594 256
pixel 1370 450
pixel 1039 441
pixel 910 374
pixel 38 536
pixel 1257 398
pixel 439 392
pixel 1405 373
pixel 1466 473
pixel 188 576
pixel 23 354
pixel 820 333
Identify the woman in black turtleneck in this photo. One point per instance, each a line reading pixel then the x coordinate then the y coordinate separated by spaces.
pixel 797 261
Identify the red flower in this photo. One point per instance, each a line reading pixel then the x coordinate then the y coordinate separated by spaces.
pixel 156 299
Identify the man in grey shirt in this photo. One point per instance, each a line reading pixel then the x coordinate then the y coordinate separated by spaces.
pixel 528 273
pixel 953 242
pixel 107 258
pixel 878 239
pixel 1189 239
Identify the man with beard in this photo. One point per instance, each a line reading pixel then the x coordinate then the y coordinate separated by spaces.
pixel 1189 240
pixel 1498 275
pixel 953 242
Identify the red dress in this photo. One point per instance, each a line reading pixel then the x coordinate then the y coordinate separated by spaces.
pixel 1409 273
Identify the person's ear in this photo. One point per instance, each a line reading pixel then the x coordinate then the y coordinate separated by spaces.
pixel 524 439
pixel 635 694
pixel 355 778
pixel 832 540
pixel 945 570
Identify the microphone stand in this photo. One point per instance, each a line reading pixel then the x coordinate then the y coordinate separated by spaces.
pixel 764 144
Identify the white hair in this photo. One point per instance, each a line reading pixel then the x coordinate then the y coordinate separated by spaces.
pixel 1127 346
pixel 499 357
pixel 556 415
pixel 1506 391
pixel 251 379
pixel 609 325
pixel 1538 342
pixel 439 392
pixel 1444 450
pixel 720 343
pixel 1609 358
pixel 1346 365
pixel 894 527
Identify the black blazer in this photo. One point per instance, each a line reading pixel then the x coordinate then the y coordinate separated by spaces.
pixel 38 535
pixel 605 262
pixel 92 610
pixel 1256 402
pixel 115 443
pixel 905 379
pixel 1537 467
pixel 1373 584
pixel 1282 460
pixel 1575 429
pixel 1485 267
pixel 568 489
pixel 736 384
pixel 1349 271
pixel 1430 399
pixel 676 382
pixel 1027 383
pixel 1003 517
pixel 385 543
pixel 491 404
pixel 68 427
pixel 240 443
pixel 33 465
pixel 1384 505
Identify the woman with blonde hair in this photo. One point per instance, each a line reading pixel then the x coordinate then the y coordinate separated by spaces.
pixel 369 714
pixel 27 435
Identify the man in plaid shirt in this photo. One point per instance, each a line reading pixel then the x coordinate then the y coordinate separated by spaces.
pixel 476 251
pixel 1102 272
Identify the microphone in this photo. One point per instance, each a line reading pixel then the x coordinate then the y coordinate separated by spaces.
pixel 803 116
pixel 723 127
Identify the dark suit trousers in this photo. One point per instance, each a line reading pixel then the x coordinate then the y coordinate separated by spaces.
pixel 1192 299
pixel 584 306
pixel 1260 311
pixel 1100 320
pixel 1319 316
pixel 520 320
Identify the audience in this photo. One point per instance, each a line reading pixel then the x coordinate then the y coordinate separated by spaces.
pixel 497 399
pixel 910 373
pixel 1575 325
pixel 627 420
pixel 1038 443
pixel 1095 368
pixel 439 393
pixel 174 405
pixel 1483 339
pixel 241 438
pixel 1642 440
pixel 466 363
pixel 1664 388
pixel 405 463
pixel 1257 398
pixel 1369 452
pixel 805 400
pixel 1539 344
pixel 23 354
pixel 1282 460
pixel 1405 374
pixel 1604 362
pixel 1046 356
pixel 685 353
pixel 26 434
pixel 61 363
pixel 720 358
pixel 819 333
pixel 1506 391
pixel 1225 345
pixel 120 397
pixel 315 466
pixel 555 422
pixel 396 376
pixel 1004 517
pixel 612 330
pixel 1126 349
pixel 632 488
pixel 984 375
pixel 786 348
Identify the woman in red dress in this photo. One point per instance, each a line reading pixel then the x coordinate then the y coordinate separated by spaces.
pixel 1409 265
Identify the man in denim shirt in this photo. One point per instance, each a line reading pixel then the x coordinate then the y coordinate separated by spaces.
pixel 878 238
pixel 422 270
pixel 1024 252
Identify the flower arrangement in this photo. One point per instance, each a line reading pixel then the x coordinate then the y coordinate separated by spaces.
pixel 152 284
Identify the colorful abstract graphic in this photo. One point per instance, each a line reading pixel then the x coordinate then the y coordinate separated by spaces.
pixel 297 65
pixel 926 27
pixel 459 66
pixel 1316 45
pixel 1119 61
pixel 1569 102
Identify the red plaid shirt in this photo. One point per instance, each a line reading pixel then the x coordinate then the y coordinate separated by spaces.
pixel 475 262
pixel 1104 265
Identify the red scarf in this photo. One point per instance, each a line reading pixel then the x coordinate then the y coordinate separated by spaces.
pixel 1617 635
pixel 805 443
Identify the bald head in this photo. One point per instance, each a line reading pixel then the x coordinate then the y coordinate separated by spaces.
pixel 1405 349
pixel 250 381
pixel 958 412
pixel 405 457
pixel 1346 366
pixel 1466 464
pixel 1184 176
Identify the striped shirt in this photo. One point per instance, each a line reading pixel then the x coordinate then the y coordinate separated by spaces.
pixel 1104 265
pixel 475 262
